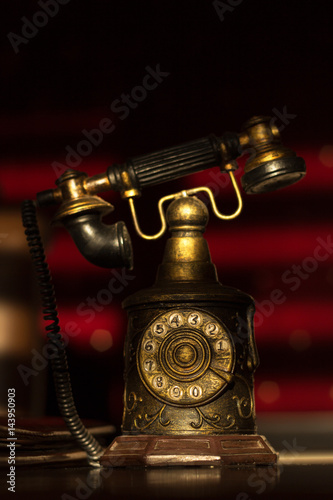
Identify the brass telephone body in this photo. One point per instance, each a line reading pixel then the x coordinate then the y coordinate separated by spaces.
pixel 190 353
pixel 183 350
pixel 190 357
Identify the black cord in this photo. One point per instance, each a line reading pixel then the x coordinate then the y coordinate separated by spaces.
pixel 59 363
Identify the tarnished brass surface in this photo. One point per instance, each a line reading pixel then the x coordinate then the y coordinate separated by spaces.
pixel 75 198
pixel 189 352
pixel 97 183
pixel 128 191
pixel 229 407
pixel 186 357
pixel 261 136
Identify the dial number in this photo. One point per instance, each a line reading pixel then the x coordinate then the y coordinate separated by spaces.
pixel 176 392
pixel 149 365
pixel 211 329
pixel 195 391
pixel 194 319
pixel 159 328
pixel 149 346
pixel 221 345
pixel 159 382
pixel 175 320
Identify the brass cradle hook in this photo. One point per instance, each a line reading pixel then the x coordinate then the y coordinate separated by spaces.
pixel 229 168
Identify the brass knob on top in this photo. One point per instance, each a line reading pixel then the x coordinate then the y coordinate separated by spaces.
pixel 187 213
pixel 187 256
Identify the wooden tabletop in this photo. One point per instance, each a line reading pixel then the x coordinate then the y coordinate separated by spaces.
pixel 284 482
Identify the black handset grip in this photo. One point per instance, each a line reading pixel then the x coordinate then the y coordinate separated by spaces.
pixel 171 163
pixel 175 162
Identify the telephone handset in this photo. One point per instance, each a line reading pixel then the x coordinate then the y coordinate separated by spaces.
pixel 271 166
pixel 190 353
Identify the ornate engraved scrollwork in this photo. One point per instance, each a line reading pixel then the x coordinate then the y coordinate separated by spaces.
pixel 142 422
pixel 132 402
pixel 245 406
pixel 214 421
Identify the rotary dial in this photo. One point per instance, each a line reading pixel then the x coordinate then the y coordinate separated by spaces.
pixel 186 357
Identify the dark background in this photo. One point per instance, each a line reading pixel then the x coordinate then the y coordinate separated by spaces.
pixel 263 55
pixel 268 58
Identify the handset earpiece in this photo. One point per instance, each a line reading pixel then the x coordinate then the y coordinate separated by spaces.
pixel 273 166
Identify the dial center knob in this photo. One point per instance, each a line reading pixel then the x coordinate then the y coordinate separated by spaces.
pixel 185 355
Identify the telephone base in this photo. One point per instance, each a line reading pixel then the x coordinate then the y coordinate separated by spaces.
pixel 161 451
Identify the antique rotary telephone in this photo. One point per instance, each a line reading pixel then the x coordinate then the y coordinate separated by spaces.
pixel 190 352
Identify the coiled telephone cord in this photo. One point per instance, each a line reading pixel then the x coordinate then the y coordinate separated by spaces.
pixel 59 363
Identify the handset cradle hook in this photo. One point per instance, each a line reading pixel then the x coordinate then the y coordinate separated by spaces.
pixel 187 192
